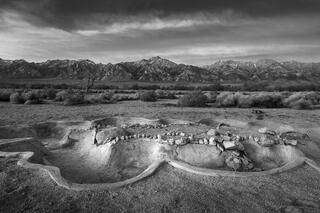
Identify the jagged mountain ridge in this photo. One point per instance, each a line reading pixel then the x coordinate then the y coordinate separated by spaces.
pixel 159 69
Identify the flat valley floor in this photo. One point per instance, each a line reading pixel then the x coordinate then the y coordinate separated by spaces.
pixel 169 189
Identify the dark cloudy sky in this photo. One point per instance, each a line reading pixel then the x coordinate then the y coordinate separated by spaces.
pixel 185 31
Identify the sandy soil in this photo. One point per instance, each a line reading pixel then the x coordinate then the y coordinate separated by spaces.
pixel 169 189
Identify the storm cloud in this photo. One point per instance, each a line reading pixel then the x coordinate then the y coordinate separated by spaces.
pixel 197 32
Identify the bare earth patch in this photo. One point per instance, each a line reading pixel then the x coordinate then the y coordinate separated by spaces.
pixel 173 187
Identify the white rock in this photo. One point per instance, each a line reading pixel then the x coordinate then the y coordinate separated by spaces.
pixel 265 130
pixel 171 141
pixel 205 141
pixel 212 141
pixel 212 132
pixel 200 141
pixel 229 145
pixel 291 142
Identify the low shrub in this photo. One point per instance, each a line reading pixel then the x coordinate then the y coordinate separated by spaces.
pixel 267 100
pixel 193 99
pixel 212 96
pixel 48 93
pixel 262 99
pixel 163 94
pixel 103 98
pixel 61 96
pixel 301 104
pixel 32 97
pixel 302 100
pixel 226 99
pixel 5 95
pixel 74 98
pixel 127 97
pixel 16 98
pixel 148 96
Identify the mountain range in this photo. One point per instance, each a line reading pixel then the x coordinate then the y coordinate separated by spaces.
pixel 159 69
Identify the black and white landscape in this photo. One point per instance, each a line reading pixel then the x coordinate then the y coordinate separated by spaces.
pixel 160 106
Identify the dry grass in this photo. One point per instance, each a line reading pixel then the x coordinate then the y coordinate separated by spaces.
pixel 193 99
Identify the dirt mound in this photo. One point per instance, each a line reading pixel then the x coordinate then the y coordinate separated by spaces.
pixel 75 155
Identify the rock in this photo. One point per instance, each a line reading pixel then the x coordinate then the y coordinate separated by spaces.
pixel 113 132
pixel 226 138
pixel 291 142
pixel 218 139
pixel 229 145
pixel 233 145
pixel 221 125
pixel 182 134
pixel 265 130
pixel 200 141
pixel 191 138
pixel 117 139
pixel 182 141
pixel 267 141
pixel 212 141
pixel 233 163
pixel 205 141
pixel 235 153
pixel 171 141
pixel 220 147
pixel 212 132
pixel 134 136
pixel 122 138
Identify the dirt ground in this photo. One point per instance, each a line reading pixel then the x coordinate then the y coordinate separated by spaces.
pixel 169 189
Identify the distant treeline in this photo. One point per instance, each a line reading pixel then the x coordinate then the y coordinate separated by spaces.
pixel 279 85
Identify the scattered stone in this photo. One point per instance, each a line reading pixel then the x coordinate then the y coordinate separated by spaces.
pixel 220 147
pixel 265 130
pixel 212 132
pixel 291 142
pixel 171 141
pixel 233 163
pixel 233 145
pixel 212 141
pixel 205 141
pixel 181 141
pixel 267 140
pixel 221 125
pixel 226 138
pixel 236 153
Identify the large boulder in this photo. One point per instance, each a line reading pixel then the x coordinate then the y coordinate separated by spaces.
pixel 233 145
